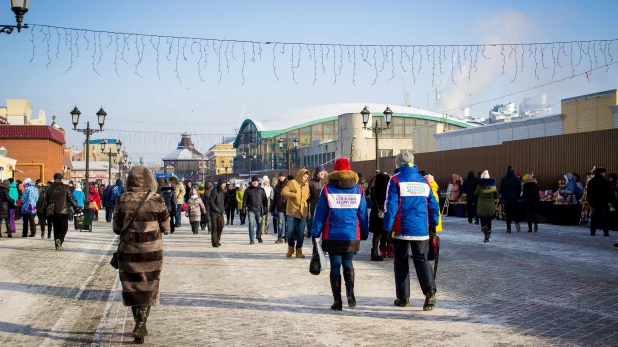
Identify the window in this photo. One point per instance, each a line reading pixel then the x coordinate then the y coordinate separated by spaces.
pixel 421 122
pixel 329 130
pixel 305 137
pixel 316 132
pixel 386 153
pixel 398 126
pixel 410 123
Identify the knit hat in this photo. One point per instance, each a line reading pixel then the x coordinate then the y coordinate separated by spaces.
pixel 27 180
pixel 78 186
pixel 485 174
pixel 318 169
pixel 265 179
pixel 342 164
pixel 58 177
pixel 237 185
pixel 282 174
pixel 255 179
pixel 404 158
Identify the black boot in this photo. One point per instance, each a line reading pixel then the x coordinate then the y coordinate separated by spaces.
pixel 141 317
pixel 335 286
pixel 375 256
pixel 348 276
pixel 430 299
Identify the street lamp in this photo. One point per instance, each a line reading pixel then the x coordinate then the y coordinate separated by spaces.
pixel 111 155
pixel 88 132
pixel 223 161
pixel 377 128
pixel 19 7
pixel 287 150
pixel 251 157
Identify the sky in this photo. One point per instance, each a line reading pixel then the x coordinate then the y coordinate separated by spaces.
pixel 148 111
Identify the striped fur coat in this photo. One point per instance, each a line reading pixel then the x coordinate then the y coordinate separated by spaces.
pixel 140 255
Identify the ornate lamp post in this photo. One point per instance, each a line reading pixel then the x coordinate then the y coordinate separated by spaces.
pixel 19 7
pixel 111 155
pixel 287 150
pixel 377 128
pixel 251 157
pixel 88 132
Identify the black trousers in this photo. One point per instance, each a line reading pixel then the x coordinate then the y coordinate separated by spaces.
pixel 61 226
pixel 424 272
pixel 109 213
pixel 229 212
pixel 531 218
pixel 195 227
pixel 29 222
pixel 471 210
pixel 599 217
pixel 486 222
pixel 172 222
pixel 7 222
pixel 42 222
pixel 217 228
pixel 511 215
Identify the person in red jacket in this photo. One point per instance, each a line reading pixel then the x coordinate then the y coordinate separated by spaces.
pixel 95 198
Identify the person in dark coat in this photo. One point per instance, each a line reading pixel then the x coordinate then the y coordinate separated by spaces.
pixel 40 212
pixel 255 202
pixel 205 221
pixel 279 205
pixel 230 204
pixel 5 202
pixel 380 238
pixel 469 187
pixel 60 196
pixel 316 183
pixel 510 189
pixel 531 201
pixel 216 205
pixel 487 195
pixel 599 196
pixel 140 251
pixel 166 190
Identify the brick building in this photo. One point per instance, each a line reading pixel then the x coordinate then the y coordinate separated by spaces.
pixel 39 150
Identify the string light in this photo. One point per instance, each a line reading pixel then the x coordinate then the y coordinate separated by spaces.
pixel 378 56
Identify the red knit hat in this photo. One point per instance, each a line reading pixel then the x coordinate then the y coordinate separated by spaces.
pixel 342 164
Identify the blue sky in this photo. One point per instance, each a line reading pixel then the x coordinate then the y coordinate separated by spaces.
pixel 165 105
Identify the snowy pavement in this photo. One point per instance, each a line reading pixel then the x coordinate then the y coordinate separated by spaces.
pixel 555 287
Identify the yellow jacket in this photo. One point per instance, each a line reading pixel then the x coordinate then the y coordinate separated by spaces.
pixel 297 193
pixel 239 196
pixel 435 188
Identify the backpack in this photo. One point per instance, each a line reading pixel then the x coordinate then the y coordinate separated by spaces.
pixel 115 193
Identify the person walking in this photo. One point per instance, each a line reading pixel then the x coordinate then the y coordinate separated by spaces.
pixel 240 193
pixel 20 191
pixel 166 191
pixel 341 220
pixel 29 200
pixel 531 201
pixel 79 196
pixel 40 212
pixel 188 191
pixel 195 209
pixel 469 187
pixel 59 196
pixel 116 191
pixel 206 222
pixel 140 249
pixel 5 203
pixel 230 203
pixel 510 189
pixel 296 192
pixel 180 191
pixel 600 196
pixel 435 189
pixel 255 205
pixel 410 206
pixel 455 188
pixel 279 206
pixel 216 206
pixel 316 184
pixel 487 195
pixel 13 209
pixel 269 195
pixel 380 241
pixel 95 200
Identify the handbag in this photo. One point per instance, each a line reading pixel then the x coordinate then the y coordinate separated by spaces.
pixel 114 261
pixel 318 260
pixel 184 207
pixel 380 211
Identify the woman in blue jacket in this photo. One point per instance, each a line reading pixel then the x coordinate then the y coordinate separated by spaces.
pixel 79 195
pixel 341 219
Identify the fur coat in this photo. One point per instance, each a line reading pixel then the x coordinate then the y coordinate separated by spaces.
pixel 140 253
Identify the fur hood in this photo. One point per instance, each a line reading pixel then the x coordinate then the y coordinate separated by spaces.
pixel 343 179
pixel 487 182
pixel 141 180
pixel 530 180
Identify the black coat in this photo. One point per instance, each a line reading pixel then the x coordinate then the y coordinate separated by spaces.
pixel 599 191
pixel 315 188
pixel 255 200
pixel 230 198
pixel 169 197
pixel 5 201
pixel 531 195
pixel 216 203
pixel 469 187
pixel 510 188
pixel 280 201
pixel 59 195
pixel 378 197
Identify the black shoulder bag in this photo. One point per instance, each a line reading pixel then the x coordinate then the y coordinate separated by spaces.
pixel 375 203
pixel 114 261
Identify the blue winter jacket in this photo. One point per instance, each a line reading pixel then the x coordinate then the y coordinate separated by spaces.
pixel 79 197
pixel 410 205
pixel 29 199
pixel 341 214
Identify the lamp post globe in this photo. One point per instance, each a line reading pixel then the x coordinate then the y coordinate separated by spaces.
pixel 75 117
pixel 365 113
pixel 103 145
pixel 388 114
pixel 101 117
pixel 295 141
pixel 280 143
pixel 118 145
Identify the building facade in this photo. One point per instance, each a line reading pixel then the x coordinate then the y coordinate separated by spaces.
pixel 19 112
pixel 98 172
pixel 219 159
pixel 185 161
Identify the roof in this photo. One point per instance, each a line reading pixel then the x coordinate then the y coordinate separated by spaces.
pixel 296 119
pixel 503 125
pixel 31 132
pixel 587 96
pixel 94 166
pixel 184 154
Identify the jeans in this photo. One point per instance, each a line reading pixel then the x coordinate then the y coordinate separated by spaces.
pixel 338 259
pixel 178 214
pixel 255 223
pixel 109 212
pixel 281 227
pixel 424 272
pixel 310 219
pixel 296 225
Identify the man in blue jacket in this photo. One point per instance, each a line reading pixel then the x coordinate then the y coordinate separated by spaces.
pixel 410 206
pixel 115 192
